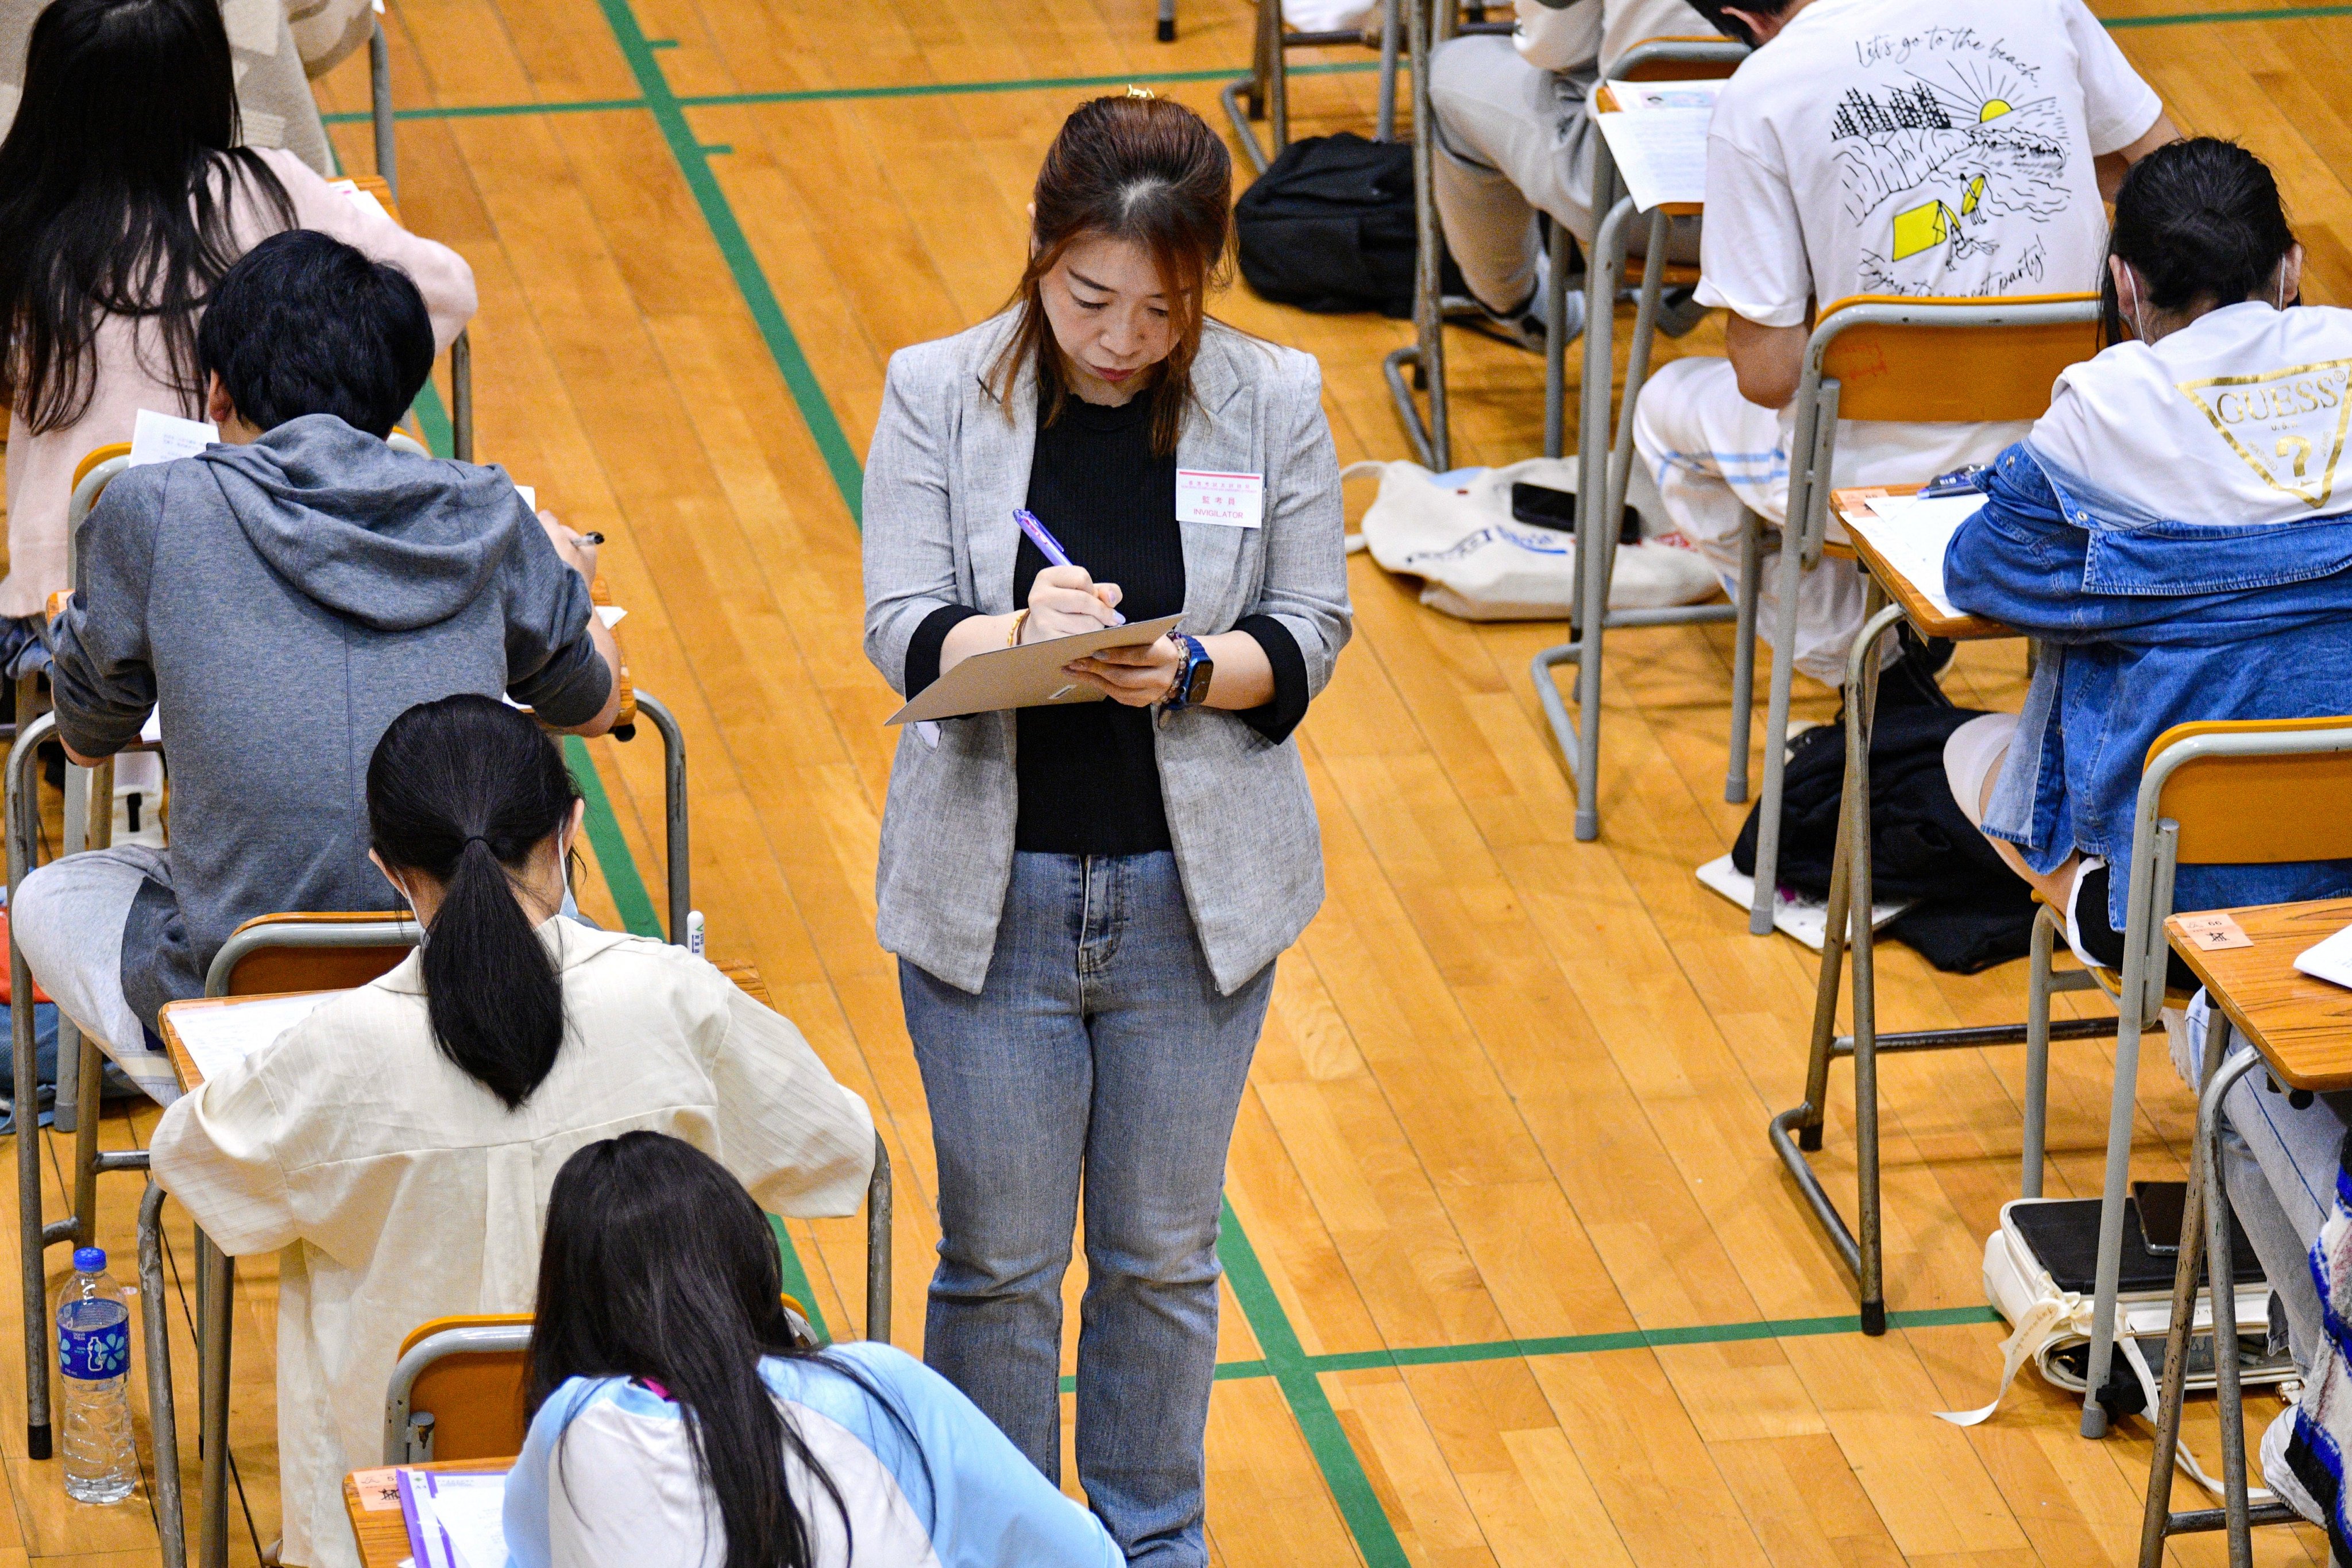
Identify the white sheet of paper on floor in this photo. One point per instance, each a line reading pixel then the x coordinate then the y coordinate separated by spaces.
pixel 1657 134
pixel 612 614
pixel 530 494
pixel 1912 535
pixel 1807 920
pixel 161 437
pixel 2330 961
pixel 219 1037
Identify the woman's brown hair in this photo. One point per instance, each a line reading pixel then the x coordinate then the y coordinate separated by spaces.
pixel 1149 171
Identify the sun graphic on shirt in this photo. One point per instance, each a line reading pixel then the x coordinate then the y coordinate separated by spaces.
pixel 1994 108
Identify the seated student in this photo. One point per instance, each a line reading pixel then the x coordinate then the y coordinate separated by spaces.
pixel 1515 134
pixel 399 1141
pixel 676 1424
pixel 2178 533
pixel 124 197
pixel 281 597
pixel 1875 147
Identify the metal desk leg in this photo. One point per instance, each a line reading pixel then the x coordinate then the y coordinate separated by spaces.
pixel 2037 1051
pixel 1860 942
pixel 675 846
pixel 163 1421
pixel 1424 357
pixel 216 1317
pixel 23 819
pixel 877 1246
pixel 1390 22
pixel 2222 1272
pixel 461 396
pixel 2122 1111
pixel 1776 733
pixel 387 163
pixel 1743 658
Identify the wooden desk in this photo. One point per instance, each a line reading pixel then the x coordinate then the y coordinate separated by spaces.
pixel 381 1529
pixel 1931 620
pixel 2302 1027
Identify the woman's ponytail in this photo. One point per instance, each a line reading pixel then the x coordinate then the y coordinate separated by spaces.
pixel 463 791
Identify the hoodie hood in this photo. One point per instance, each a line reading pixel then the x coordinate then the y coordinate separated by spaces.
pixel 389 539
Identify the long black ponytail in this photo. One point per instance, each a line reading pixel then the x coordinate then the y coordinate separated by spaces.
pixel 464 790
pixel 2201 221
pixel 657 1265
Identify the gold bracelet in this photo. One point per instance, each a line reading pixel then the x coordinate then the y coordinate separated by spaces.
pixel 1020 619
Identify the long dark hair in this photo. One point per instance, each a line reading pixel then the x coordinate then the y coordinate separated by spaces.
pixel 2202 223
pixel 657 1265
pixel 117 188
pixel 1139 169
pixel 462 790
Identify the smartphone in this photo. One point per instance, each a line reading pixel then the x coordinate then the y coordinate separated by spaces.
pixel 1545 507
pixel 2160 1204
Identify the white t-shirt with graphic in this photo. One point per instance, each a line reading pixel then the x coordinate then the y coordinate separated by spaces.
pixel 1915 147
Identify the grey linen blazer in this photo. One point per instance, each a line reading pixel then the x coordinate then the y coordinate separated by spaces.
pixel 948 464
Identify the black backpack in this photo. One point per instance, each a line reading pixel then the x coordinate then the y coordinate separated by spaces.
pixel 1973 911
pixel 1330 226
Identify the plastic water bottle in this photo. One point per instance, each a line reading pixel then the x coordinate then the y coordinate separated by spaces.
pixel 101 1462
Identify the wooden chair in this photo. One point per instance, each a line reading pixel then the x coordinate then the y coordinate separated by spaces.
pixel 2249 791
pixel 1876 359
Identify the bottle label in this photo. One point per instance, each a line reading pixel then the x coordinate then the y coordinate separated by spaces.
pixel 94 1354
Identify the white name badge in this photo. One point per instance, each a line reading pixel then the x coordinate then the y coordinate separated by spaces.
pixel 1233 501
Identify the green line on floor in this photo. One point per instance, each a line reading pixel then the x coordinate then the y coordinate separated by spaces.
pixel 1343 1471
pixel 2193 18
pixel 694 162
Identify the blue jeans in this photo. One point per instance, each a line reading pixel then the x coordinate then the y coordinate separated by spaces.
pixel 1099 1052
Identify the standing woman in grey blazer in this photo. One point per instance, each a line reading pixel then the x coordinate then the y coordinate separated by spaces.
pixel 1087 900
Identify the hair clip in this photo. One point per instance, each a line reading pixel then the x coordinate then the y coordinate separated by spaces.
pixel 1134 91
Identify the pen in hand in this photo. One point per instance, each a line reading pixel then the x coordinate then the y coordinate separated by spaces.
pixel 1051 548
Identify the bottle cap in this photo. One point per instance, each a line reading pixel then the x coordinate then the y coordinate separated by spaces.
pixel 89 1260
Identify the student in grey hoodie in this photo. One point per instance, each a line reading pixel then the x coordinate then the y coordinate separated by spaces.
pixel 281 597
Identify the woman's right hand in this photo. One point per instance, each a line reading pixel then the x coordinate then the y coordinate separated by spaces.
pixel 1065 601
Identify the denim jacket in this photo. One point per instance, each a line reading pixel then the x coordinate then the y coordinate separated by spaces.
pixel 2145 623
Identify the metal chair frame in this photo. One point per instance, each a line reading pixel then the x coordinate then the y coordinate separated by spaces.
pixel 1421 364
pixel 1812 451
pixel 401 1443
pixel 1605 462
pixel 2205 1226
pixel 1264 93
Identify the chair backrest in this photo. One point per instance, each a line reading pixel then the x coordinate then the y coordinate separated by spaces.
pixel 1952 360
pixel 1710 57
pixel 402 441
pixel 2257 790
pixel 467 1374
pixel 272 954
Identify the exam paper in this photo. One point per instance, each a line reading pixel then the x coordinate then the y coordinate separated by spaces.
pixel 219 1037
pixel 1912 535
pixel 364 199
pixel 2331 960
pixel 1657 134
pixel 161 437
pixel 457 1519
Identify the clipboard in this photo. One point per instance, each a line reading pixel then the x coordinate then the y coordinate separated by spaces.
pixel 1029 676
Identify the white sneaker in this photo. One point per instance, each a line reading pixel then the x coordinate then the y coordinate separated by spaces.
pixel 2280 1477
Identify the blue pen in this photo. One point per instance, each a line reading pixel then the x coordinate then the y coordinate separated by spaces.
pixel 1050 547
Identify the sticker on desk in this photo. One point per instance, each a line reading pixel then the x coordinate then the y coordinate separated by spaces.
pixel 379 1489
pixel 1233 501
pixel 2214 932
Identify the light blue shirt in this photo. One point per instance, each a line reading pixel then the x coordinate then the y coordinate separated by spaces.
pixel 622 1489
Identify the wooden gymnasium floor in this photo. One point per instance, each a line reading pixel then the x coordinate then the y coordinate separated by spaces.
pixel 1513 1274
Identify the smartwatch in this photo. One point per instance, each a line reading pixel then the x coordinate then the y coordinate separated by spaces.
pixel 1192 677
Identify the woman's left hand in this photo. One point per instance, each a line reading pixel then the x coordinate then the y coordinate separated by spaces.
pixel 1137 676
